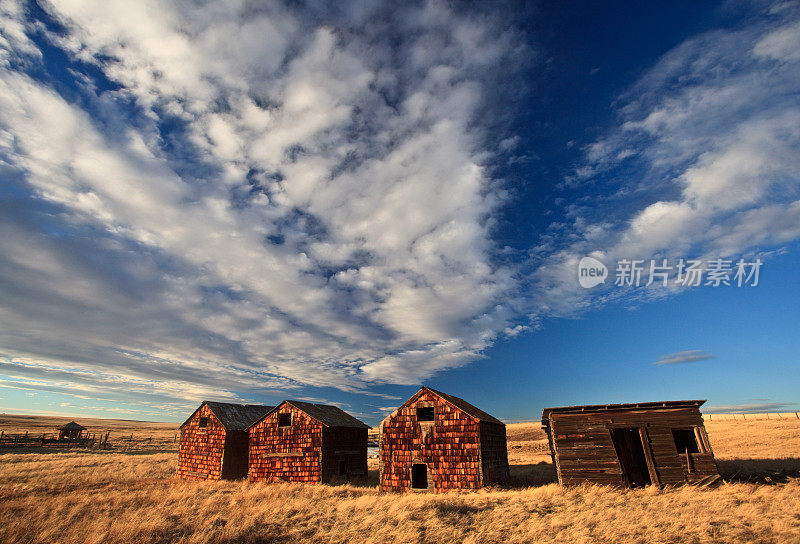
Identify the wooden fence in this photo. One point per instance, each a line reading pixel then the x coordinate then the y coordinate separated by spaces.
pixel 88 440
pixel 43 440
pixel 752 417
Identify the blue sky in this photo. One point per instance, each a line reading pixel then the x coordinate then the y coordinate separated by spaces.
pixel 340 203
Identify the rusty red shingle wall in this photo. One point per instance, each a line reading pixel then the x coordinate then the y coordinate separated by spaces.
pixel 201 450
pixel 307 451
pixel 291 454
pixel 450 446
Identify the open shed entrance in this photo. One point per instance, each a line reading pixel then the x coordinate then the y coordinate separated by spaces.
pixel 630 452
pixel 419 476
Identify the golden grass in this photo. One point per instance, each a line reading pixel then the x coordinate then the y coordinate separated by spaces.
pixel 112 497
pixel 762 439
pixel 147 435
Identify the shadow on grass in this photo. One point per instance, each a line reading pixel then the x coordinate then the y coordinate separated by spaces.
pixel 531 475
pixel 371 480
pixel 48 449
pixel 763 471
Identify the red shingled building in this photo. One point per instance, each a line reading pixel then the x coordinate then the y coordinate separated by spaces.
pixel 439 442
pixel 214 441
pixel 304 442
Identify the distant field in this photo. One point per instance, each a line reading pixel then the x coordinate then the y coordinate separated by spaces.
pixel 129 495
pixel 146 435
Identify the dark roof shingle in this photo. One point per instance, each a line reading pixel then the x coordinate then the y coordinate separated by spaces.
pixel 331 416
pixel 234 417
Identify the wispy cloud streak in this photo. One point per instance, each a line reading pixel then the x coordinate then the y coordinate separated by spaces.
pixel 690 356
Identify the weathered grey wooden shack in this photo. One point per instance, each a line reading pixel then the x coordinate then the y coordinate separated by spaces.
pixel 632 445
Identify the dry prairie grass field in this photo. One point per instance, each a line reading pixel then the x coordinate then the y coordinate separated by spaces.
pixel 129 495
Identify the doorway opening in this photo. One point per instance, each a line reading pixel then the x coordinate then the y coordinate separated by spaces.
pixel 419 476
pixel 630 452
pixel 342 468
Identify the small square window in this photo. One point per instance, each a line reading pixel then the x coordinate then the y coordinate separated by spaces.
pixel 425 414
pixel 203 423
pixel 285 420
pixel 685 441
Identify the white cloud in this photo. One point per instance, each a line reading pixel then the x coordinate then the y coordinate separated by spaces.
pixel 316 214
pixel 715 125
pixel 13 34
pixel 782 44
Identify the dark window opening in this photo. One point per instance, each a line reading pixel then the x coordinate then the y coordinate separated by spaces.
pixel 419 476
pixel 425 414
pixel 342 468
pixel 203 423
pixel 685 441
pixel 285 420
pixel 632 461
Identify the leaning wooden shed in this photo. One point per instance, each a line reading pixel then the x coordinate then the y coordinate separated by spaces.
pixel 304 442
pixel 633 445
pixel 214 441
pixel 438 442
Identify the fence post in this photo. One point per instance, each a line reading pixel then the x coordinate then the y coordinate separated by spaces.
pixel 42 439
pixel 1 436
pixel 131 440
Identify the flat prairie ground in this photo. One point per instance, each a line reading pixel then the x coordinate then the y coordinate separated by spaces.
pixel 129 495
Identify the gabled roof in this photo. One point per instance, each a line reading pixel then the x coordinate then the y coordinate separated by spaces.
pixel 72 426
pixel 667 404
pixel 234 417
pixel 330 416
pixel 465 407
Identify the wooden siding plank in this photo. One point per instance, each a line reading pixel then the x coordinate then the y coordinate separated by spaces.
pixel 582 449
